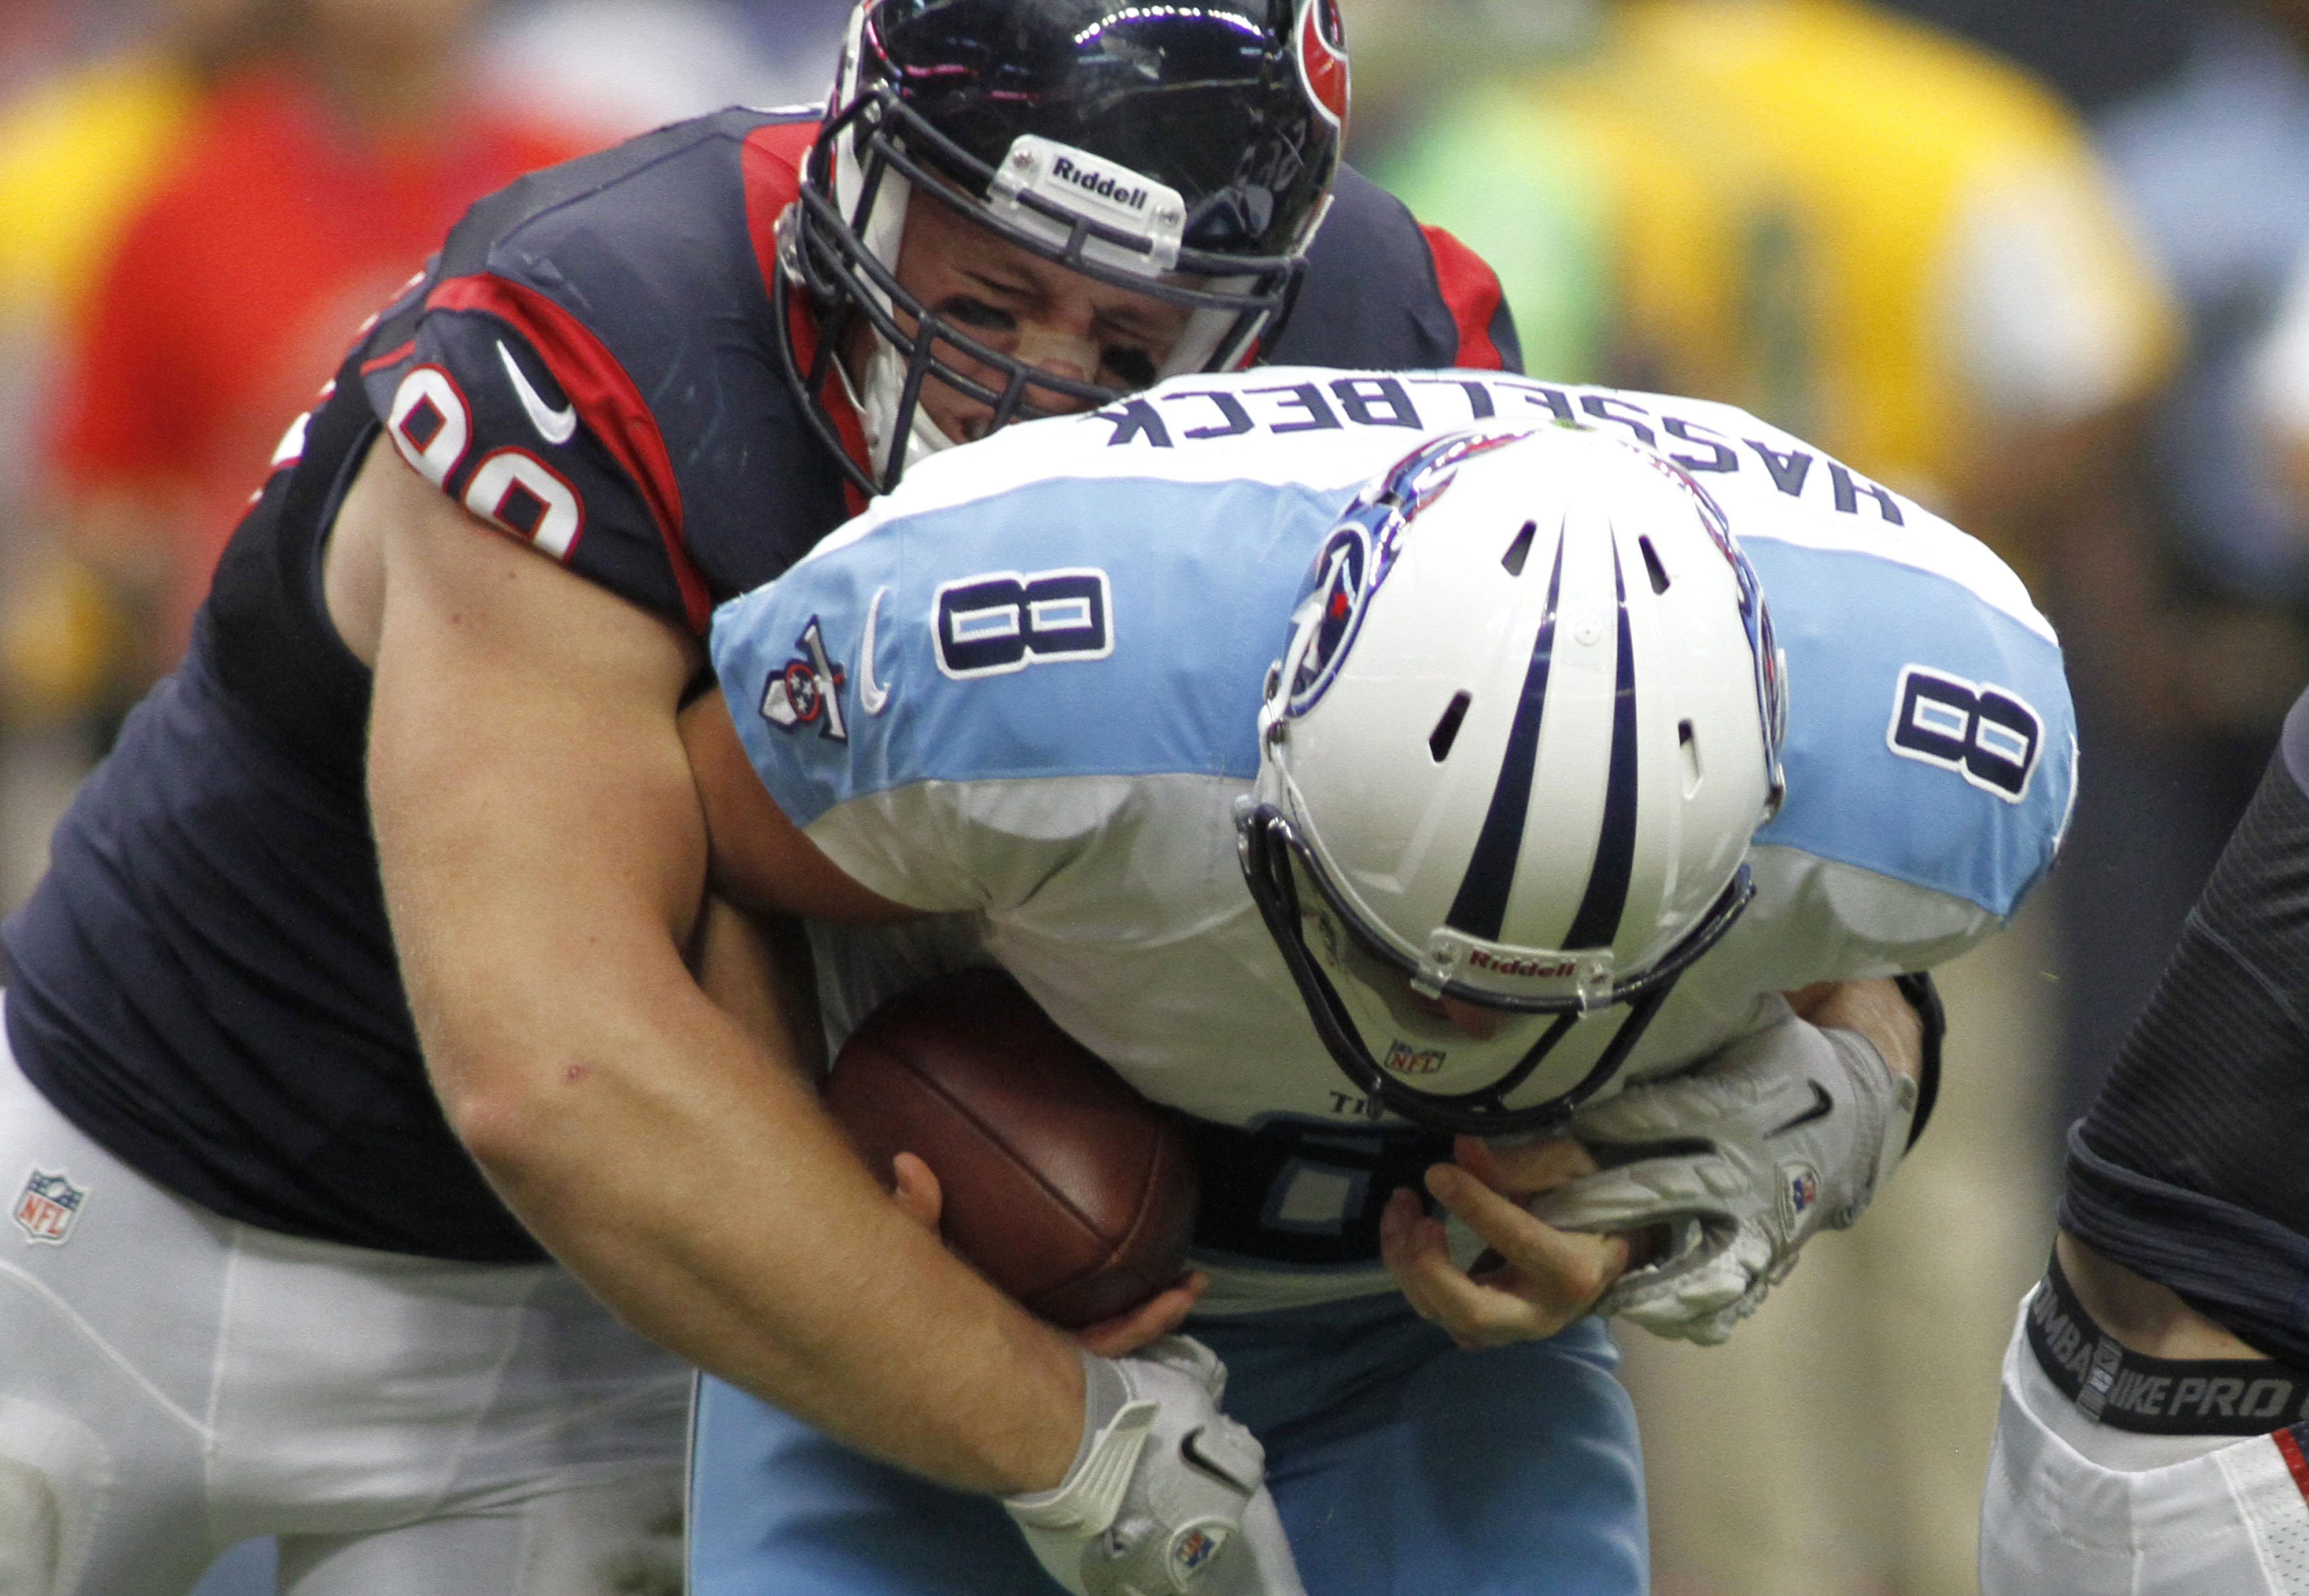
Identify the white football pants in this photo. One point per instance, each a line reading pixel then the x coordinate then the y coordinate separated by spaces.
pixel 2156 1515
pixel 172 1382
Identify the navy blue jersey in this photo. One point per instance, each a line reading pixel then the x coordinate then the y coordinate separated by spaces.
pixel 2188 1166
pixel 205 983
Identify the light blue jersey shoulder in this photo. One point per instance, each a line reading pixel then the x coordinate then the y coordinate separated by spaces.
pixel 1930 736
pixel 1102 596
pixel 1062 628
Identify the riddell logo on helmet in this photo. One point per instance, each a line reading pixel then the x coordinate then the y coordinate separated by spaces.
pixel 1521 969
pixel 1105 187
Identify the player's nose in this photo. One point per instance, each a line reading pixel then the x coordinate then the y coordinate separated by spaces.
pixel 1473 1019
pixel 1060 351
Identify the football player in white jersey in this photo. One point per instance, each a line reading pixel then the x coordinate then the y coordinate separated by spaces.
pixel 1404 777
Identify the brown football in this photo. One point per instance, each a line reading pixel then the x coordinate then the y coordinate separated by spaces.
pixel 1061 1184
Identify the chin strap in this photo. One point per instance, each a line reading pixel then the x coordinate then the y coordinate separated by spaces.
pixel 878 409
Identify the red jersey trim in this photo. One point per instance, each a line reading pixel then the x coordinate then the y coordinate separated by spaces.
pixel 1471 294
pixel 606 398
pixel 370 367
pixel 772 167
pixel 2289 1448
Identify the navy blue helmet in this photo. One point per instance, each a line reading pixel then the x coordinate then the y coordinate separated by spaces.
pixel 1183 151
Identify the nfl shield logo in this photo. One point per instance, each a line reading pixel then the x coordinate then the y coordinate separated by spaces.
pixel 47 1205
pixel 1193 1547
pixel 1403 1059
pixel 1799 1190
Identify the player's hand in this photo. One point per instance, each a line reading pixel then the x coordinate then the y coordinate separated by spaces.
pixel 1168 1496
pixel 1157 1317
pixel 1782 1134
pixel 1534 1279
pixel 914 1188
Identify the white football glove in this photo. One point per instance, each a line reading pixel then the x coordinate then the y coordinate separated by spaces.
pixel 1166 1496
pixel 1783 1133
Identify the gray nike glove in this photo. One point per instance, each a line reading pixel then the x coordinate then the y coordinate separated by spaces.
pixel 1166 1496
pixel 1782 1134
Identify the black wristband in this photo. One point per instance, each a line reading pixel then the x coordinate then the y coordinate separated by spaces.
pixel 1924 998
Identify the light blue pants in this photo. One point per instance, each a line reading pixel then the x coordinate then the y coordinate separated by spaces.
pixel 1403 1467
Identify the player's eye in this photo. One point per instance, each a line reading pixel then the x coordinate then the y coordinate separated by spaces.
pixel 1134 366
pixel 964 310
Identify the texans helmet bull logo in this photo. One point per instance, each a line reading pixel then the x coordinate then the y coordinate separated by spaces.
pixel 1321 48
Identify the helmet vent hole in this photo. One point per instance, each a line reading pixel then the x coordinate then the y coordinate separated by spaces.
pixel 1658 574
pixel 1517 553
pixel 1689 745
pixel 1447 729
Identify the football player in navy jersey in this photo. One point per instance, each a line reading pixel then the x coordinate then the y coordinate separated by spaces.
pixel 357 1039
pixel 2153 1432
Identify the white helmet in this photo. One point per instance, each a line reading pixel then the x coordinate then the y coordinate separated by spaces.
pixel 1527 718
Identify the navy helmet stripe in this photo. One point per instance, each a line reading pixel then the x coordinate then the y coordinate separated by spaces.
pixel 1481 906
pixel 1597 924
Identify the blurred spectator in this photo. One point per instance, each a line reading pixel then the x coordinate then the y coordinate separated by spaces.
pixel 2094 51
pixel 79 151
pixel 2277 389
pixel 302 193
pixel 624 68
pixel 2215 162
pixel 1854 226
pixel 1901 247
pixel 41 39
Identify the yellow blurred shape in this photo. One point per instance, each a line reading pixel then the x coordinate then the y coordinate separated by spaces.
pixel 76 155
pixel 61 640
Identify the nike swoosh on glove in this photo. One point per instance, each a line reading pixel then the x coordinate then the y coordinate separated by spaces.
pixel 1167 1495
pixel 1782 1134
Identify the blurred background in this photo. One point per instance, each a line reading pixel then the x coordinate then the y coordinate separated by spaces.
pixel 2037 263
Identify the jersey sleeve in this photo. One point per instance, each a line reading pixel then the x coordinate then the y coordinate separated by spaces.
pixel 837 688
pixel 1385 294
pixel 500 382
pixel 519 412
pixel 957 702
pixel 585 368
pixel 1931 756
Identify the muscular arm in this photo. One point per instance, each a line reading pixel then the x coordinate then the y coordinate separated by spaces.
pixel 543 854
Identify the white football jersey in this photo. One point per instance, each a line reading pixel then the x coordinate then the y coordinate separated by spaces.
pixel 1021 693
